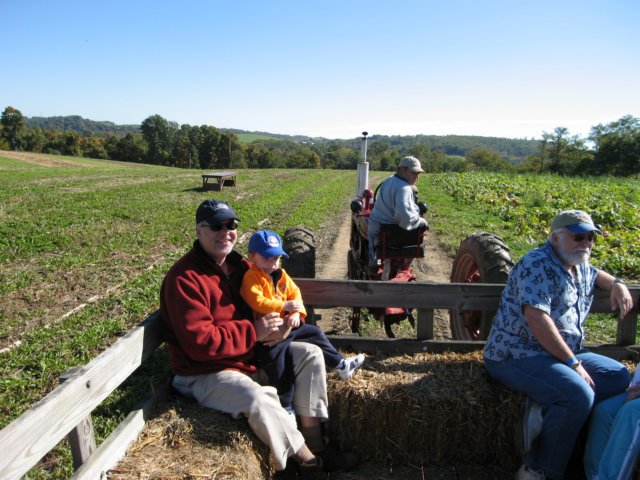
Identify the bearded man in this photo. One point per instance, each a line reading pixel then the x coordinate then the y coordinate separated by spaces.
pixel 535 344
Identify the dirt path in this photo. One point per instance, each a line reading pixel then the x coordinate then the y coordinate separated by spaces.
pixel 331 263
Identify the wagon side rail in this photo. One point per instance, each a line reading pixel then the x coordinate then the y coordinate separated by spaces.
pixel 32 435
pixel 427 296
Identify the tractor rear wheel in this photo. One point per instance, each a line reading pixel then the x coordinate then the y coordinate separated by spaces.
pixel 481 258
pixel 299 244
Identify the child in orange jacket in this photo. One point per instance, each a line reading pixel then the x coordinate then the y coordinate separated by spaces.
pixel 267 288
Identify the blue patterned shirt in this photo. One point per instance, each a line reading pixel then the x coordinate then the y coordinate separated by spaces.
pixel 540 280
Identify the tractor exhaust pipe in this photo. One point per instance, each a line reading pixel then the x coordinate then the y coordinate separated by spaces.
pixel 363 168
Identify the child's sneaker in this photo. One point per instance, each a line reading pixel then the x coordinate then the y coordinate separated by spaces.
pixel 349 365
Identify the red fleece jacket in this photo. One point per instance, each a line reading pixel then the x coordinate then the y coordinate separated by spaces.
pixel 207 322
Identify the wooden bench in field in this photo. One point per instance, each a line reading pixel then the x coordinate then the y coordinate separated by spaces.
pixel 221 179
pixel 66 411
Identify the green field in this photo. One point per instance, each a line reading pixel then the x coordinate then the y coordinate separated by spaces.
pixel 103 233
pixel 526 204
pixel 251 137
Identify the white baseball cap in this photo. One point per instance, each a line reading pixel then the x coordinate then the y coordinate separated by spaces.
pixel 412 163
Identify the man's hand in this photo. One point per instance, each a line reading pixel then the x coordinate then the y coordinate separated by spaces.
pixel 620 299
pixel 585 375
pixel 545 330
pixel 281 334
pixel 267 326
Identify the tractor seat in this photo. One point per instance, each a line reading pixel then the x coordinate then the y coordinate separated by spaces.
pixel 396 242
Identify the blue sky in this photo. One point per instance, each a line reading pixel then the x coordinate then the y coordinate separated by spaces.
pixel 333 68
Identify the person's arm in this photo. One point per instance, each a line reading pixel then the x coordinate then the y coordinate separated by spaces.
pixel 252 293
pixel 294 296
pixel 204 337
pixel 621 300
pixel 407 213
pixel 547 334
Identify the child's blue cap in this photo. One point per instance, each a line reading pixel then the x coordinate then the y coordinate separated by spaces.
pixel 267 244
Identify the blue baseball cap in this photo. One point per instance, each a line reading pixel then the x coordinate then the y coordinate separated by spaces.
pixel 576 221
pixel 267 244
pixel 215 211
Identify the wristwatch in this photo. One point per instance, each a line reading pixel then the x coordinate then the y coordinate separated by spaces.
pixel 573 363
pixel 617 280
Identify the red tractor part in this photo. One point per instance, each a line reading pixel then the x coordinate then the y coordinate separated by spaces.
pixel 481 258
pixel 398 248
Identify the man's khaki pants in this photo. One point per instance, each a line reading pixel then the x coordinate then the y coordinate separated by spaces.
pixel 239 394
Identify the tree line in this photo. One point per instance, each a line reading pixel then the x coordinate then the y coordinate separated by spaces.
pixel 610 149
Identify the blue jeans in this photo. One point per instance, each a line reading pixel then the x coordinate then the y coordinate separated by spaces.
pixel 614 439
pixel 565 397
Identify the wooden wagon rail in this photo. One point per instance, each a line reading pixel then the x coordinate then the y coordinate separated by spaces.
pixel 68 407
pixel 429 296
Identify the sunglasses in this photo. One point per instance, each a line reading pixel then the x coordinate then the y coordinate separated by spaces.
pixel 579 237
pixel 216 227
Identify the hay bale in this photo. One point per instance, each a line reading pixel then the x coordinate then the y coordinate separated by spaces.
pixel 427 409
pixel 185 441
pixel 438 415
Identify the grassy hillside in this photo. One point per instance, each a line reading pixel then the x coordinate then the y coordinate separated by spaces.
pixel 252 137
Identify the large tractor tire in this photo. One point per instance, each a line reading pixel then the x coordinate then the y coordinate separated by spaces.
pixel 299 244
pixel 481 258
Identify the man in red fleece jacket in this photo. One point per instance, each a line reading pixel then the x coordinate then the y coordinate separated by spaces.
pixel 211 340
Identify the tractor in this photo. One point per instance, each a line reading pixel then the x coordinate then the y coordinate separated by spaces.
pixel 481 258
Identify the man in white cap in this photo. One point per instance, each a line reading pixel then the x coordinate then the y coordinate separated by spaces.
pixel 535 344
pixel 395 203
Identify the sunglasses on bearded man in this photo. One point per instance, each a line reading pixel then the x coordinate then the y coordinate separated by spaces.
pixel 579 237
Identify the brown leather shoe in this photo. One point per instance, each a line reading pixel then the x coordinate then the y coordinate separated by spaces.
pixel 336 461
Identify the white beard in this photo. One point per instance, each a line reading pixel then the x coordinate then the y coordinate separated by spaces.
pixel 576 258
